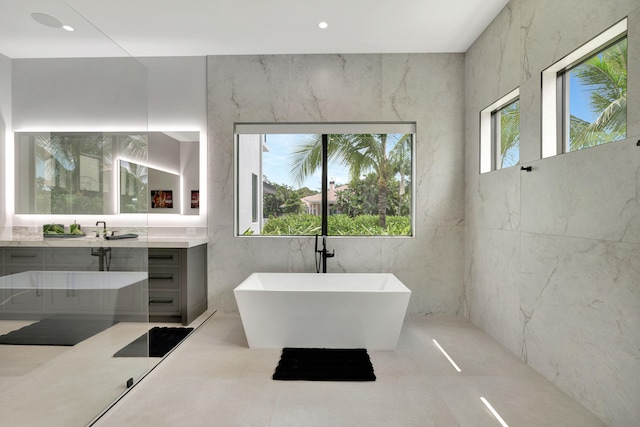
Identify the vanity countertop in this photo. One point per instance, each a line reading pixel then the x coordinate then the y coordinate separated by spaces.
pixel 93 242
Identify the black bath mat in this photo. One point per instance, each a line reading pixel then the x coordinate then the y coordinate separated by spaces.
pixel 324 364
pixel 60 332
pixel 161 341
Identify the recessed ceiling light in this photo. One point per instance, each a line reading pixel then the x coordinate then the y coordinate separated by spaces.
pixel 68 28
pixel 323 25
pixel 46 20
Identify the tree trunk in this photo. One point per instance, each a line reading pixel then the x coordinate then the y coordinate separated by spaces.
pixel 382 201
pixel 382 182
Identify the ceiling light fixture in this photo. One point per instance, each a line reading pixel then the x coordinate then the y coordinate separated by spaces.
pixel 323 25
pixel 68 28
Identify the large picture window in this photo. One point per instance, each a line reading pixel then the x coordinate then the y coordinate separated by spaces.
pixel 339 180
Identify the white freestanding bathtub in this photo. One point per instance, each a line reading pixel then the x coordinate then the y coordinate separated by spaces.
pixel 333 310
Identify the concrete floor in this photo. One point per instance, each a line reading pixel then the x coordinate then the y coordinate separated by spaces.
pixel 214 379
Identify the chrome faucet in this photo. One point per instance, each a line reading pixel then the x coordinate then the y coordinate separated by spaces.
pixel 324 254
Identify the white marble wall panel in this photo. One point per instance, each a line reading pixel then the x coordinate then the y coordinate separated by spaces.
pixel 580 303
pixel 530 119
pixel 243 89
pixel 493 62
pixel 559 285
pixel 593 193
pixel 318 78
pixel 551 29
pixel 492 298
pixel 633 63
pixel 427 89
pixel 495 203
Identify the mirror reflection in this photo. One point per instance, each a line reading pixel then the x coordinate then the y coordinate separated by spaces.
pixel 134 184
pixel 83 173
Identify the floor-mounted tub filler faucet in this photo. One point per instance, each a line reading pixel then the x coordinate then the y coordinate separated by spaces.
pixel 321 259
pixel 103 254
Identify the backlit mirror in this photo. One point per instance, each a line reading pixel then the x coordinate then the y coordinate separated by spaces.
pixel 84 173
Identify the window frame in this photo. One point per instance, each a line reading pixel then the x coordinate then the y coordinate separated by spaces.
pixel 254 197
pixel 555 99
pixel 252 128
pixel 496 135
pixel 490 132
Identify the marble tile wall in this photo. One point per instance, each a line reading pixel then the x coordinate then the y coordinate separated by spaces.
pixel 552 265
pixel 424 88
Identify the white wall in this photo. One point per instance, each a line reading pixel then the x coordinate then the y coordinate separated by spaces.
pixel 425 88
pixel 79 94
pixel 552 259
pixel 5 128
pixel 190 172
pixel 250 163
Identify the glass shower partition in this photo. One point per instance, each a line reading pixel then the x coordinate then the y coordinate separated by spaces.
pixel 73 296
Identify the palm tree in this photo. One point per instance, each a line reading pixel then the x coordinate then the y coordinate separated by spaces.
pixel 510 134
pixel 605 76
pixel 361 153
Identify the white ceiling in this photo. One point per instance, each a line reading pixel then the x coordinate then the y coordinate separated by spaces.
pixel 233 27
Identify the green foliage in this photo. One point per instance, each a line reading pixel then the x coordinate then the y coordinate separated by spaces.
pixel 292 225
pixel 510 135
pixel 285 201
pixel 605 76
pixel 384 155
pixel 339 225
pixel 361 198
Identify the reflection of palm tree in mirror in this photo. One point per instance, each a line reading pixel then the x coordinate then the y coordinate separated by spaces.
pixel 605 77
pixel 74 166
pixel 134 146
pixel 66 187
pixel 387 155
pixel 134 180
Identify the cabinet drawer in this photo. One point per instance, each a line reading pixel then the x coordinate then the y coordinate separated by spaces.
pixel 164 278
pixel 164 257
pixel 23 256
pixel 164 302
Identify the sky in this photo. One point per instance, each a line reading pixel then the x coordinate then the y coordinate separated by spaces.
pixel 275 164
pixel 579 96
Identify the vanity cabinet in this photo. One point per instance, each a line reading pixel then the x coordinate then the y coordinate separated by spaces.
pixel 176 289
pixel 18 260
pixel 177 284
pixel 126 302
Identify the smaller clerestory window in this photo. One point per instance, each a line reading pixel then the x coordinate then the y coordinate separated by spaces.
pixel 584 95
pixel 500 133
